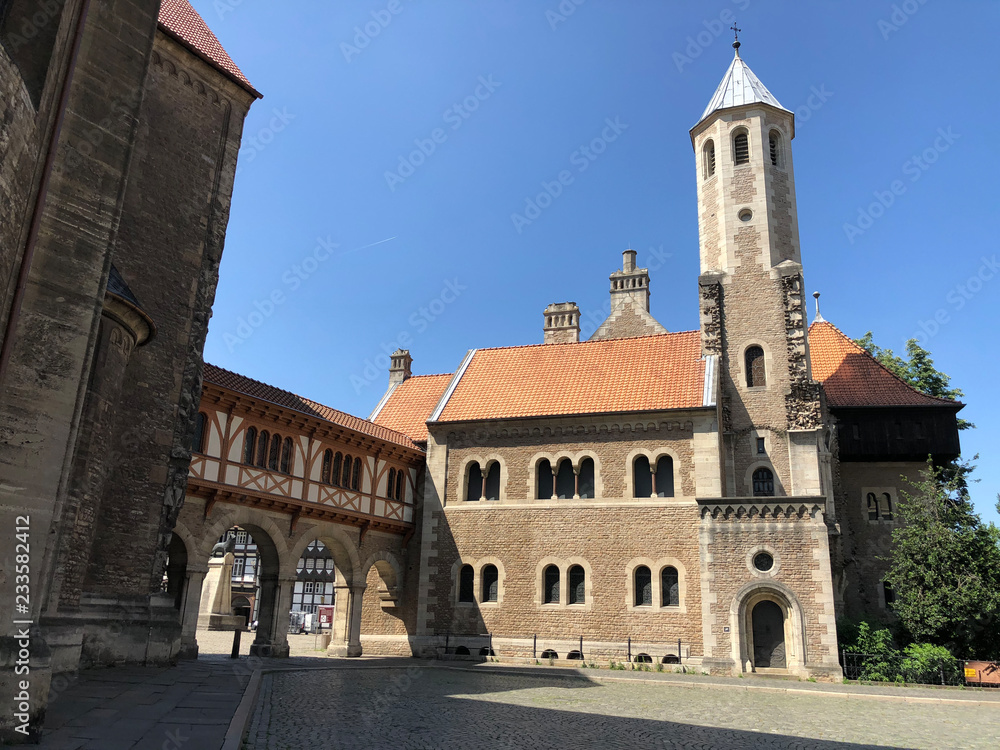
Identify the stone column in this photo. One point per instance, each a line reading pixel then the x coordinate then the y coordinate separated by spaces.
pixel 354 622
pixel 343 616
pixel 190 606
pixel 267 616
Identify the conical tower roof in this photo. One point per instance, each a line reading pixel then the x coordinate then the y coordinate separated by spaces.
pixel 740 86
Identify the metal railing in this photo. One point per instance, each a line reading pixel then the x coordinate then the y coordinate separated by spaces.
pixel 896 667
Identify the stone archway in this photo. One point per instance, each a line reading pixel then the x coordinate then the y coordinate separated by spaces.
pixel 768 629
pixel 273 602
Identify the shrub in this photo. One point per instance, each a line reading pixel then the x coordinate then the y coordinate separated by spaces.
pixel 929 664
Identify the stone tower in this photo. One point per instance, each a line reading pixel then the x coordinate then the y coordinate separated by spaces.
pixel 751 290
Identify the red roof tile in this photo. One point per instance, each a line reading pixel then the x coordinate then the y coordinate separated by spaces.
pixel 411 403
pixel 651 373
pixel 851 377
pixel 255 389
pixel 182 22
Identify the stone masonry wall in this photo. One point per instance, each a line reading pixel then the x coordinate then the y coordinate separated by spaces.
pixel 191 124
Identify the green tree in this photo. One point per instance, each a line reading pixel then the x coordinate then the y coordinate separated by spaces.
pixel 918 370
pixel 945 568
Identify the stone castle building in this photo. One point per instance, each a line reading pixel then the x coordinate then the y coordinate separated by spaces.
pixel 715 497
pixel 120 127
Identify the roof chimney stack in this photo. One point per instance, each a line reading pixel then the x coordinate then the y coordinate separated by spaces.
pixel 562 323
pixel 399 370
pixel 630 283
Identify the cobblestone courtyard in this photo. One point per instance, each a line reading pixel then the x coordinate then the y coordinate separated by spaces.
pixel 421 707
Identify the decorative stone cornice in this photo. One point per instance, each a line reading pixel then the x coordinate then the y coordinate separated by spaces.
pixel 762 508
pixel 621 427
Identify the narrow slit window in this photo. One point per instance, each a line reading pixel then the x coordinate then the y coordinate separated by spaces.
pixel 265 440
pixel 886 506
pixel 391 484
pixel 643 587
pixel 577 585
pixel 356 480
pixel 466 584
pixel 249 445
pixel 274 456
pixel 399 485
pixel 493 482
pixel 709 159
pixel 335 475
pixel 324 474
pixel 198 445
pixel 345 480
pixel 872 506
pixel 756 375
pixel 474 486
pixel 286 456
pixel 551 583
pixel 772 143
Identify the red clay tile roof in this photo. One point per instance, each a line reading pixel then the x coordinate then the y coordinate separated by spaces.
pixel 411 403
pixel 851 377
pixel 651 373
pixel 182 22
pixel 255 389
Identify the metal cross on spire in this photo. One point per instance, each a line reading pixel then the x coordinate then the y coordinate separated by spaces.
pixel 736 32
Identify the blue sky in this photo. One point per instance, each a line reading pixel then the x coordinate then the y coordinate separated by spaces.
pixel 379 175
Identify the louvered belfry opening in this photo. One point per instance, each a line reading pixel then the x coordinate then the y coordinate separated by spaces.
pixel 709 159
pixel 741 149
pixel 773 144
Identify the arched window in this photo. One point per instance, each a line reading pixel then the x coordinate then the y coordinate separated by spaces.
pixel 324 474
pixel 754 361
pixel 763 483
pixel 642 479
pixel 872 502
pixel 399 485
pixel 551 583
pixel 198 443
pixel 741 149
pixel 886 506
pixel 670 587
pixel 262 444
pixel 274 456
pixel 491 583
pixel 890 595
pixel 566 481
pixel 577 585
pixel 286 456
pixel 345 477
pixel 544 479
pixel 466 584
pixel 665 477
pixel 474 485
pixel 356 479
pixel 774 145
pixel 643 587
pixel 249 445
pixel 335 473
pixel 586 483
pixel 709 158
pixel 391 485
pixel 493 481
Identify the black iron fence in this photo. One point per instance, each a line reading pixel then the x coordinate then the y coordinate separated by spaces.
pixel 901 668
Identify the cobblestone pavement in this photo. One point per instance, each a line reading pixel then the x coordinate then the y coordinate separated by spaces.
pixel 433 707
pixel 215 642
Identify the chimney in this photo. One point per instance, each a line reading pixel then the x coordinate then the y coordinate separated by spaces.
pixel 399 370
pixel 562 323
pixel 630 283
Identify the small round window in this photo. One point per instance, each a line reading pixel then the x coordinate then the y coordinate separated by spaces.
pixel 763 561
pixel 746 214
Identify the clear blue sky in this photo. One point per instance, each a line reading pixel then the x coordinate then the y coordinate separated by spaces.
pixel 502 94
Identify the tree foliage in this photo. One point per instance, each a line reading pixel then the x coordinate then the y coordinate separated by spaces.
pixel 945 568
pixel 917 370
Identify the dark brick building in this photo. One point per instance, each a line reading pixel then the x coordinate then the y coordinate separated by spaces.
pixel 120 125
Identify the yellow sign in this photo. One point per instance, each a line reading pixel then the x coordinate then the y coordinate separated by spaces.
pixel 970 673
